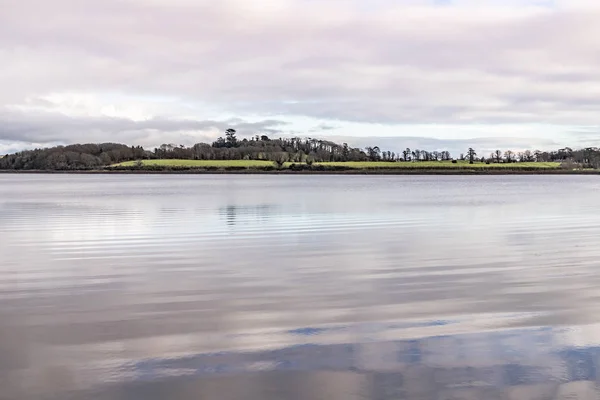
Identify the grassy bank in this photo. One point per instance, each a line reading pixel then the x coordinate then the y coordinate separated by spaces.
pixel 198 163
pixel 399 167
pixel 443 165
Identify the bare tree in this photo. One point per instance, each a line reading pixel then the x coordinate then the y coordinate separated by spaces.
pixel 406 154
pixel 509 155
pixel 498 156
pixel 416 155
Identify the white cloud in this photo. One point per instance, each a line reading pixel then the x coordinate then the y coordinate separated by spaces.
pixel 519 64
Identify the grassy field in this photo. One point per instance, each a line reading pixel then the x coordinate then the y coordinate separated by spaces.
pixel 350 165
pixel 442 164
pixel 199 163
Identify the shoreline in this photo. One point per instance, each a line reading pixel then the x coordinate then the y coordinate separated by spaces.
pixel 397 171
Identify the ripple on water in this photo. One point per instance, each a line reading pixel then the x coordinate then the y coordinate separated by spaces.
pixel 273 287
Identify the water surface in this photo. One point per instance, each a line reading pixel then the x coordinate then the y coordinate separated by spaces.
pixel 299 287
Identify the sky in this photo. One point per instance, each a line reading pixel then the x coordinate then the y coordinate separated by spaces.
pixel 427 74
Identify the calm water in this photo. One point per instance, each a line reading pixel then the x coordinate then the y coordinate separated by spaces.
pixel 293 287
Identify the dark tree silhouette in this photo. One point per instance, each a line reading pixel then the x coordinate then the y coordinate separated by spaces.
pixel 373 153
pixel 498 156
pixel 230 138
pixel 471 154
pixel 509 155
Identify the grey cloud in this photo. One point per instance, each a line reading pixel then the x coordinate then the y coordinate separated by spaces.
pixel 12 147
pixel 588 136
pixel 323 127
pixel 21 130
pixel 326 59
pixel 45 127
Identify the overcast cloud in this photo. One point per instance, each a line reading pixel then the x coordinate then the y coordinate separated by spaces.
pixel 518 74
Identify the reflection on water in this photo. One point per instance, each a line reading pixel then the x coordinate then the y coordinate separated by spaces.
pixel 241 214
pixel 271 287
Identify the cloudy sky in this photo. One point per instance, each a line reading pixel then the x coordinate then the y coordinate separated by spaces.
pixel 431 74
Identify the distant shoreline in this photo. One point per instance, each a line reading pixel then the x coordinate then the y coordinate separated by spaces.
pixel 394 171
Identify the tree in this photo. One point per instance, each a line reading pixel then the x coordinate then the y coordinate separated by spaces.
pixel 406 153
pixel 376 152
pixel 230 138
pixel 280 159
pixel 509 155
pixel 498 156
pixel 345 151
pixel 471 154
pixel 373 153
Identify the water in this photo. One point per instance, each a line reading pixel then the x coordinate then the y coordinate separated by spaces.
pixel 299 287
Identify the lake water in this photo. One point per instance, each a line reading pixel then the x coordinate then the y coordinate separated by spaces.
pixel 299 287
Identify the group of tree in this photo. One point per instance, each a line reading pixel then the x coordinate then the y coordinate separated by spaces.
pixel 72 157
pixel 588 157
pixel 261 147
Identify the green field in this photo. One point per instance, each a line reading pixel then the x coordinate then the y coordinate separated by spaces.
pixel 353 165
pixel 442 165
pixel 199 163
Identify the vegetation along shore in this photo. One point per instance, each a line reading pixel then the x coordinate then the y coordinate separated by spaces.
pixel 261 154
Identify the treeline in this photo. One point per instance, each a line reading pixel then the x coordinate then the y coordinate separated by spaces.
pixel 588 157
pixel 72 157
pixel 229 147
pixel 261 147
